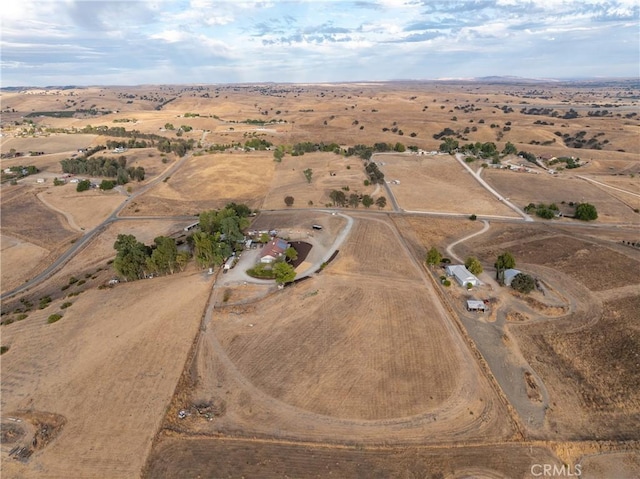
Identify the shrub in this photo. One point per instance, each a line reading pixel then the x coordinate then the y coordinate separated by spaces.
pixel 73 279
pixel 473 217
pixel 66 305
pixel 4 349
pixel 446 283
pixel 53 318
pixel 288 200
pixel 586 212
pixel 21 316
pixel 523 283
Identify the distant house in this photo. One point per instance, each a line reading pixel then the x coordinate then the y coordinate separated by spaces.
pixel 462 275
pixel 273 250
pixel 509 274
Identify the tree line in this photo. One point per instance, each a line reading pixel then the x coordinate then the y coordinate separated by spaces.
pixel 103 166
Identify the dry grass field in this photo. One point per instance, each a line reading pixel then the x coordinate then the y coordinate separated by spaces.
pixel 366 369
pixel 330 172
pixel 525 188
pixel 439 183
pixel 109 367
pixel 208 182
pixel 587 359
pixel 361 352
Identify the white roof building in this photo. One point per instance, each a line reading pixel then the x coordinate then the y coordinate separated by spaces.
pixel 509 274
pixel 462 275
pixel 475 305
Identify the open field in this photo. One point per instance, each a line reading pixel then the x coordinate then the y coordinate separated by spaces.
pixel 299 364
pixel 110 378
pixel 369 368
pixel 208 182
pixel 330 172
pixel 84 210
pixel 19 260
pixel 586 358
pixel 243 458
pixel 438 183
pixel 525 188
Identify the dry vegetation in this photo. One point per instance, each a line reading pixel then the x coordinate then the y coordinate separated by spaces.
pixel 363 358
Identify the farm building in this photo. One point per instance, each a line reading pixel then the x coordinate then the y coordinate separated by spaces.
pixel 509 274
pixel 273 250
pixel 475 305
pixel 462 275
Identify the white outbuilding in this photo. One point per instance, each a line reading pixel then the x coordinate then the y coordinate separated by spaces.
pixel 509 274
pixel 462 275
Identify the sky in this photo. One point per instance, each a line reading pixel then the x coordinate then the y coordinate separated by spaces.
pixel 133 42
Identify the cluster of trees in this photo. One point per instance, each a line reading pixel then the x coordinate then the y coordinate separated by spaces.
pixel 103 166
pixel 257 144
pixel 340 198
pixel 218 236
pixel 374 173
pixel 135 260
pixel 131 143
pixel 542 210
pixel 177 146
pixel 299 149
pixel 523 283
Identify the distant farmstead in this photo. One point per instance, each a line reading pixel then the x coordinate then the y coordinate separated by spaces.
pixel 462 275
pixel 273 250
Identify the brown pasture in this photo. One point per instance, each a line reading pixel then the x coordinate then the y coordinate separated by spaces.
pixel 330 172
pixel 438 183
pixel 525 188
pixel 209 181
pixel 363 353
pixel 109 366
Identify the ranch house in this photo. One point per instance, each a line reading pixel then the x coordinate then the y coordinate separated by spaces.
pixel 273 250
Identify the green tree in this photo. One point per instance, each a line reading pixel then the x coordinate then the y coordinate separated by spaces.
pixel 367 201
pixel 308 173
pixel 208 250
pixel 131 259
pixel 473 265
pixel 291 254
pixel 283 273
pixel 509 149
pixel 586 212
pixel 433 256
pixel 107 185
pixel 278 154
pixel 58 182
pixel 505 261
pixel 83 185
pixel 288 200
pixel 354 200
pixel 400 148
pixel 164 255
pixel 168 126
pixel 523 283
pixel 449 145
pixel 381 202
pixel 338 197
pixel 182 258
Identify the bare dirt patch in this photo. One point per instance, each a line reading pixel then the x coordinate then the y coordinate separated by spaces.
pixel 229 458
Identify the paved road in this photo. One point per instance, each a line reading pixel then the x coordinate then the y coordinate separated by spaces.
pixel 84 240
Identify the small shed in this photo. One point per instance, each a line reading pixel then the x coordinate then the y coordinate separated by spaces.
pixel 475 305
pixel 509 274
